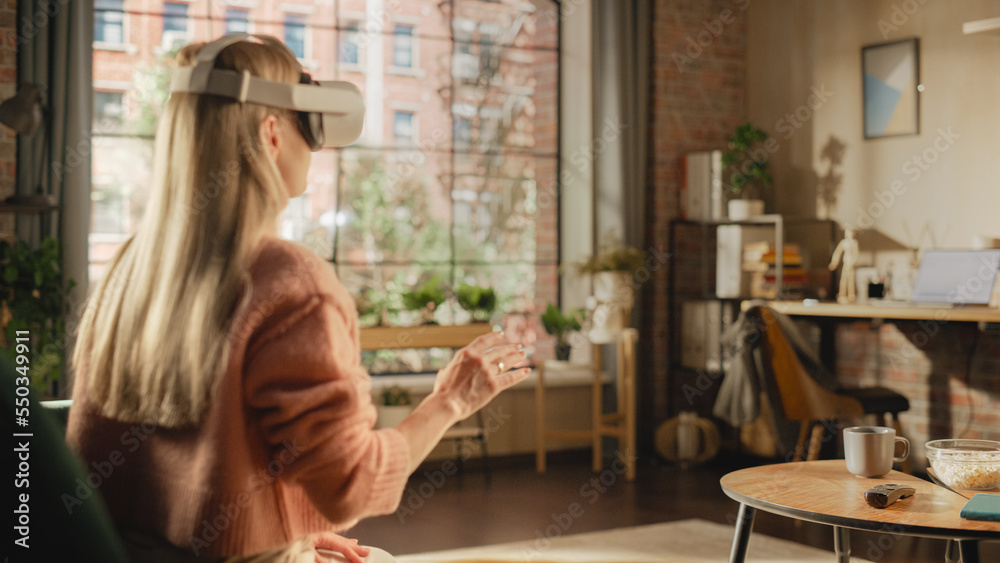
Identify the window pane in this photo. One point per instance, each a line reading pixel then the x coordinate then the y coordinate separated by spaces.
pixel 514 23
pixel 512 102
pixel 424 91
pixel 295 34
pixel 497 203
pixel 237 20
pixel 394 207
pixel 402 46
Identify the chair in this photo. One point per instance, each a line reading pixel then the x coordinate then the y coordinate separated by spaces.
pixel 797 395
pixel 64 523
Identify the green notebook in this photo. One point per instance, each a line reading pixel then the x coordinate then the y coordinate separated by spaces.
pixel 982 506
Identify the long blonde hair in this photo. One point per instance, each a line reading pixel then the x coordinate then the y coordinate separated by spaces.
pixel 154 335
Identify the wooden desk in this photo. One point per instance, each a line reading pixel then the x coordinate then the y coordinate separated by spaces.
pixel 827 314
pixel 866 311
pixel 824 492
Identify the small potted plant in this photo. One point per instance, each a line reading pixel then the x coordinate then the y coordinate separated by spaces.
pixel 746 162
pixel 561 326
pixel 480 302
pixel 425 298
pixel 612 269
pixel 394 404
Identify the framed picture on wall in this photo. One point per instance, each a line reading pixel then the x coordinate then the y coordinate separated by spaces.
pixel 891 84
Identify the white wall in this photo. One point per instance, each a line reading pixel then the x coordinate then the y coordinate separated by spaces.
pixel 798 48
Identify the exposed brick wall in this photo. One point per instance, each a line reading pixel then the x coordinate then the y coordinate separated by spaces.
pixel 950 395
pixel 697 99
pixel 8 87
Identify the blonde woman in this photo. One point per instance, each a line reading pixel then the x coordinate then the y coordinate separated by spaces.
pixel 219 398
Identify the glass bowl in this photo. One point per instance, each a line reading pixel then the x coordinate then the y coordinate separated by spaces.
pixel 966 464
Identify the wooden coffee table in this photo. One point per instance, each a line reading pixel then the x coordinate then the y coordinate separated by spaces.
pixel 824 492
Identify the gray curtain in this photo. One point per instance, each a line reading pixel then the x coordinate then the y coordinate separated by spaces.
pixel 621 99
pixel 56 54
pixel 622 70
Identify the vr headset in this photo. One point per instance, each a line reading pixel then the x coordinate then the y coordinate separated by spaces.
pixel 329 114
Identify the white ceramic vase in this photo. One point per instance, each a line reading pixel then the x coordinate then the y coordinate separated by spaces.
pixel 740 209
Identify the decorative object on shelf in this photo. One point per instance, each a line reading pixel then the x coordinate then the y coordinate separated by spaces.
pixel 746 159
pixel 561 326
pixel 891 87
pixel 480 302
pixel 394 404
pixel 847 252
pixel 612 269
pixel 33 298
pixel 25 113
pixel 425 298
pixel 687 439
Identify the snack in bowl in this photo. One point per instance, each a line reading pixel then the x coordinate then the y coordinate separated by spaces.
pixel 966 464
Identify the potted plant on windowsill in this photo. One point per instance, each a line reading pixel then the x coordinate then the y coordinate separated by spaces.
pixel 425 298
pixel 746 162
pixel 561 326
pixel 480 302
pixel 393 405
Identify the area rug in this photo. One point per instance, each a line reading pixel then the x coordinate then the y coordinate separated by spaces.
pixel 684 541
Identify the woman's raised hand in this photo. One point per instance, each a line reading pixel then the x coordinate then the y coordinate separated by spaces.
pixel 479 372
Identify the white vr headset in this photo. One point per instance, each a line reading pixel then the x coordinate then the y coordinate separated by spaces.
pixel 329 114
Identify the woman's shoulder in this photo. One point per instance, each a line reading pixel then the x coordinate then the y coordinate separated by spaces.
pixel 286 268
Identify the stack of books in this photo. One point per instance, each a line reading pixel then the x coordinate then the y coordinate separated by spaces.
pixel 760 260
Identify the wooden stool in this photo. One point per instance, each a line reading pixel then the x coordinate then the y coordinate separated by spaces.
pixel 619 424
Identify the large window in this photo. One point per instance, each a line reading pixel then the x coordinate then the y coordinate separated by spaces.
pixel 453 180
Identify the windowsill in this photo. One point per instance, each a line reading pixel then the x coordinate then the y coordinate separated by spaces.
pixel 352 67
pixel 406 71
pixel 126 48
pixel 424 383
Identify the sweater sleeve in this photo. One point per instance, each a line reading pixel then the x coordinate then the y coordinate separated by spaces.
pixel 305 386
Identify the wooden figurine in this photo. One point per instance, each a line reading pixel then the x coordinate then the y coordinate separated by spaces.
pixel 847 251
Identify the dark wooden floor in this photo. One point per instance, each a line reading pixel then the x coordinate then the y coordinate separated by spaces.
pixel 444 509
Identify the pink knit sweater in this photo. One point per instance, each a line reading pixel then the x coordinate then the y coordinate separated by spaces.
pixel 286 447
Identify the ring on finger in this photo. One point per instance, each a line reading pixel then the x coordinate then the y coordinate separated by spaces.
pixel 500 366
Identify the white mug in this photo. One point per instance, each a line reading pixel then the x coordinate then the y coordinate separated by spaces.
pixel 870 450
